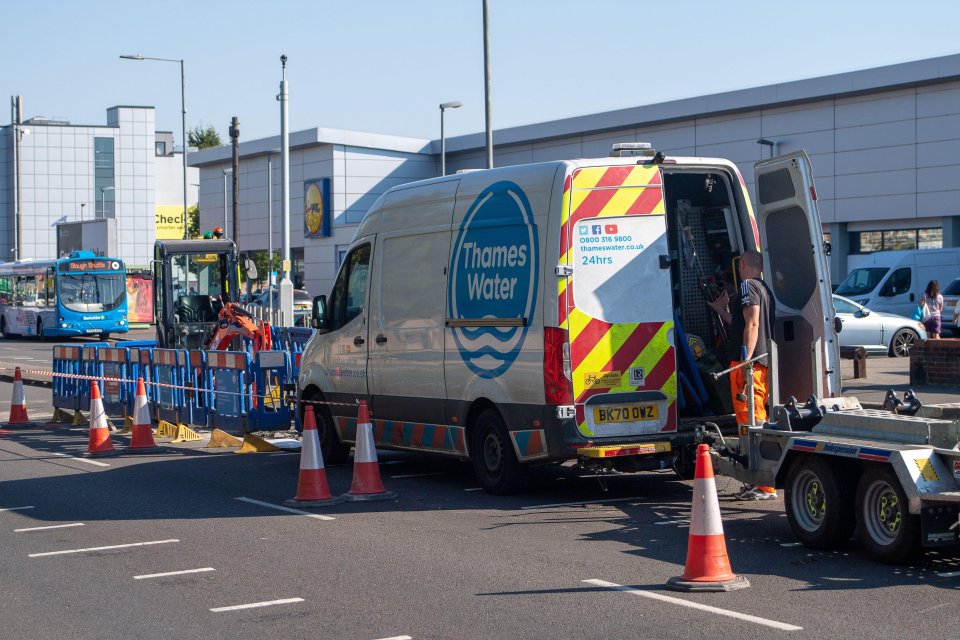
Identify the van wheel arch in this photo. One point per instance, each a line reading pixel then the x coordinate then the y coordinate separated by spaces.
pixel 492 455
pixel 333 450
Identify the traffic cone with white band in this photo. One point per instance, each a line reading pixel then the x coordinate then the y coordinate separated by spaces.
pixel 312 487
pixel 366 484
pixel 708 567
pixel 142 432
pixel 18 405
pixel 100 443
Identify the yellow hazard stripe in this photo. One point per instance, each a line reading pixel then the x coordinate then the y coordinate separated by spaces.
pixel 614 451
pixel 610 344
pixel 639 176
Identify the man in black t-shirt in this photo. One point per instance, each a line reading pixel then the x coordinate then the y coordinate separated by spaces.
pixel 750 316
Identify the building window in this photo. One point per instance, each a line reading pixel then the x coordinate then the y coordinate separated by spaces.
pixel 103 178
pixel 161 148
pixel 895 239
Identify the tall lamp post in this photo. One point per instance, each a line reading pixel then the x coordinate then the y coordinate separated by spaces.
pixel 183 123
pixel 226 172
pixel 768 143
pixel 103 201
pixel 456 104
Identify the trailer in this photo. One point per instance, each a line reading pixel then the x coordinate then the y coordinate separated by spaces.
pixel 891 477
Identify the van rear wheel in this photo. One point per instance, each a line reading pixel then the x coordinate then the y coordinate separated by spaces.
pixel 494 462
pixel 333 451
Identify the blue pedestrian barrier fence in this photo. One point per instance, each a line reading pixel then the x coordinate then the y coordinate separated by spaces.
pixel 229 377
pixel 166 375
pixel 271 375
pixel 66 390
pixel 113 365
pixel 197 396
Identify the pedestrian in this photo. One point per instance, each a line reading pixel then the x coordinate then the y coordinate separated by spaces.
pixel 934 303
pixel 750 315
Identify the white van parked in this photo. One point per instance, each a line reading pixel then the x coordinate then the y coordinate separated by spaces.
pixel 894 281
pixel 539 313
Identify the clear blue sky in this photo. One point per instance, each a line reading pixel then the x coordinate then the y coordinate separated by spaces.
pixel 385 65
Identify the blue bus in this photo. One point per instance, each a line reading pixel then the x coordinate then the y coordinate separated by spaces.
pixel 82 295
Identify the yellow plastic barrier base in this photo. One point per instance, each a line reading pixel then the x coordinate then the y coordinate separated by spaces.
pixel 59 415
pixel 127 424
pixel 186 434
pixel 166 429
pixel 614 451
pixel 220 438
pixel 78 419
pixel 254 444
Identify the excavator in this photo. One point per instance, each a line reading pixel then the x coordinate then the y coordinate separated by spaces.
pixel 196 296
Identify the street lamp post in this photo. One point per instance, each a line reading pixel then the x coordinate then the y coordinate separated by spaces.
pixel 82 205
pixel 270 233
pixel 103 200
pixel 768 143
pixel 226 172
pixel 183 123
pixel 456 104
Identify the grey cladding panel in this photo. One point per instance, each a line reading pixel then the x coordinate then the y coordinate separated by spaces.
pixel 938 101
pixel 876 135
pixel 869 160
pixel 809 118
pixel 939 128
pixel 719 130
pixel 860 111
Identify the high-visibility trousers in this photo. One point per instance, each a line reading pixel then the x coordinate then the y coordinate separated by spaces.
pixel 760 393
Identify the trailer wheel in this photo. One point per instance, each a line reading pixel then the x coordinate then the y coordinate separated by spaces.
pixel 333 451
pixel 819 513
pixel 889 531
pixel 494 462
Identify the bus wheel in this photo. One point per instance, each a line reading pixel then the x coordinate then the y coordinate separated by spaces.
pixel 494 462
pixel 889 531
pixel 3 326
pixel 40 335
pixel 818 511
pixel 104 336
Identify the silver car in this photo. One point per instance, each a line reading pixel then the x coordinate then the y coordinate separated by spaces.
pixel 875 331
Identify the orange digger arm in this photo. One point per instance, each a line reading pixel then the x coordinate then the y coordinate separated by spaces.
pixel 233 322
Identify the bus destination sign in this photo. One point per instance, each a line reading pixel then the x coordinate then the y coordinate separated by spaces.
pixel 94 265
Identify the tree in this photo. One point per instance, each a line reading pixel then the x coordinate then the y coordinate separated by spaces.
pixel 193 221
pixel 263 272
pixel 203 138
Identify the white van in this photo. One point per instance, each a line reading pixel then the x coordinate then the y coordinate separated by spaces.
pixel 894 281
pixel 539 313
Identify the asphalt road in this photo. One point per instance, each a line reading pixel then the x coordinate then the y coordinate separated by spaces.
pixel 443 560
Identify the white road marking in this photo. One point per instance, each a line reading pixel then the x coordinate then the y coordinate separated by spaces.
pixel 474 489
pixel 114 546
pixel 416 475
pixel 397 638
pixel 285 453
pixel 783 626
pixel 949 574
pixel 673 522
pixel 173 573
pixel 15 508
pixel 574 504
pixel 95 463
pixel 316 516
pixel 55 526
pixel 791 544
pixel 254 605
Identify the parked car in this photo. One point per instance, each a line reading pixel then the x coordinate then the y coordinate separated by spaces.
pixel 876 331
pixel 302 304
pixel 951 298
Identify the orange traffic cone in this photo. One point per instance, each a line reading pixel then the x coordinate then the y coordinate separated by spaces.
pixel 708 567
pixel 366 484
pixel 312 487
pixel 18 405
pixel 100 444
pixel 142 424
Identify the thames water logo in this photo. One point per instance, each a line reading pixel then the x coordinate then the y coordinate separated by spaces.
pixel 493 276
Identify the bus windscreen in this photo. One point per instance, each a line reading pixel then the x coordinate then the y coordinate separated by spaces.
pixel 89 292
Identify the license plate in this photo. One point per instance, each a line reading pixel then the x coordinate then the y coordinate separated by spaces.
pixel 626 413
pixel 92 331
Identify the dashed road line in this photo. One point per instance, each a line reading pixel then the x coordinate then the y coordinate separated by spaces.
pixel 95 463
pixel 574 504
pixel 254 605
pixel 113 546
pixel 783 626
pixel 316 516
pixel 662 522
pixel 54 526
pixel 173 573
pixel 474 489
pixel 949 574
pixel 417 475
pixel 791 544
pixel 397 638
pixel 16 508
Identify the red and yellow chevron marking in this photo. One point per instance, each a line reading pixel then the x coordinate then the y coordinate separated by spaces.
pixel 597 346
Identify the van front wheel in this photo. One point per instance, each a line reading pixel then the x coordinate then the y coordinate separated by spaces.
pixel 494 462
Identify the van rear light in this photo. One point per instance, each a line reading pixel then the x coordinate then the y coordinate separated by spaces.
pixel 557 375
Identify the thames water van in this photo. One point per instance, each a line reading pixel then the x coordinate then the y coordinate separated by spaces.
pixel 894 281
pixel 546 312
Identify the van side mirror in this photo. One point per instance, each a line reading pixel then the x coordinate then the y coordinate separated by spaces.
pixel 319 316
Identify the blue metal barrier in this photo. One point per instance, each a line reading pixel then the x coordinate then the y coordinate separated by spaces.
pixel 271 374
pixel 66 391
pixel 166 375
pixel 196 395
pixel 89 367
pixel 229 376
pixel 114 362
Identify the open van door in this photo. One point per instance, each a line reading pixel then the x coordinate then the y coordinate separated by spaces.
pixel 795 266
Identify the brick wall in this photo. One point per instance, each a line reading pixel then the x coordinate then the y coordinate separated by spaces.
pixel 935 362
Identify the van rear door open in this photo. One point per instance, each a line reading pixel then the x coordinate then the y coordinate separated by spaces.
pixel 616 303
pixel 793 256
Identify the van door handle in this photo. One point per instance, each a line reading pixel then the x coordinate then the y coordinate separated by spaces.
pixel 911 297
pixel 358 341
pixel 381 339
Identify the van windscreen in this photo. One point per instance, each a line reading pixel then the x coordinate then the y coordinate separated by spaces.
pixel 861 281
pixel 953 288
